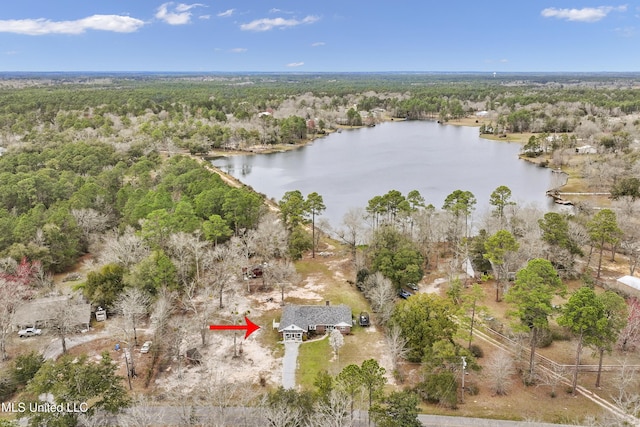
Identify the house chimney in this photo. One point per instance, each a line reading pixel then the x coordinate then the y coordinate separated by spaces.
pixel 327 303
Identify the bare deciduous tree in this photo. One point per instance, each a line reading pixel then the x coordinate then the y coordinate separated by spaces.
pixel 334 411
pixel 381 293
pixel 280 414
pixel 352 231
pixel 11 294
pixel 160 315
pixel 64 323
pixel 133 305
pixel 629 337
pixel 499 370
pixel 269 240
pixel 90 222
pixel 552 376
pixel 218 395
pixel 124 249
pixel 196 299
pixel 281 273
pixel 336 341
pixel 221 265
pixel 141 413
pixel 397 345
pixel 186 252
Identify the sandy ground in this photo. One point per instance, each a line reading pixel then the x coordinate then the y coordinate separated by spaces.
pixel 253 360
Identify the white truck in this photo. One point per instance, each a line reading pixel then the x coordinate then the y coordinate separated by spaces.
pixel 29 332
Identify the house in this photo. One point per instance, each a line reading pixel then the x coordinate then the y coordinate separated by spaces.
pixel 586 149
pixel 41 313
pixel 299 321
pixel 628 285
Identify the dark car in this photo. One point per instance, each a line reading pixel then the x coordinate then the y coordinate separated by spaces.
pixel 402 293
pixel 364 319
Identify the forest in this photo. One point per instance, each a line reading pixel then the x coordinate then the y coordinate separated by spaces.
pixel 112 168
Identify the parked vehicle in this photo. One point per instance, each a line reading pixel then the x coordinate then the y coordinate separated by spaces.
pixel 413 286
pixel 146 347
pixel 29 332
pixel 402 293
pixel 364 319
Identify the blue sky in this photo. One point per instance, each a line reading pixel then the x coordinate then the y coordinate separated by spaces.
pixel 326 35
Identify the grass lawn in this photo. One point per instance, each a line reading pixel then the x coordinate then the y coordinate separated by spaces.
pixel 313 357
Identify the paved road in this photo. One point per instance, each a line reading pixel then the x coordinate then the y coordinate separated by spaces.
pixel 444 421
pixel 290 364
pixel 252 417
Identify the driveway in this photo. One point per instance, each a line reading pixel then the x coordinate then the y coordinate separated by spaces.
pixel 289 364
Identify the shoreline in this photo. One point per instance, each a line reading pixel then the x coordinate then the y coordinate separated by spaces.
pixel 572 180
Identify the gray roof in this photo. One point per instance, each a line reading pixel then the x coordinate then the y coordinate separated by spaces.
pixel 42 310
pixel 630 281
pixel 303 316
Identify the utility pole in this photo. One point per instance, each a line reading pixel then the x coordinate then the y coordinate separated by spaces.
pixel 464 366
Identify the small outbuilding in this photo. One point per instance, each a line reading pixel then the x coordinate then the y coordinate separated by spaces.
pixel 193 356
pixel 628 285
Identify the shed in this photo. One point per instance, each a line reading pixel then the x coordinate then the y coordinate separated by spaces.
pixel 193 356
pixel 629 285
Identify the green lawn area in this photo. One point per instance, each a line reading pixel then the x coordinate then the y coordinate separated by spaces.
pixel 313 357
pixel 317 356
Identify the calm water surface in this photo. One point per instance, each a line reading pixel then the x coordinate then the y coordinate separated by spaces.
pixel 351 167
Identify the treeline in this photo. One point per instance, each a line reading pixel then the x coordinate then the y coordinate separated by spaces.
pixel 410 96
pixel 57 198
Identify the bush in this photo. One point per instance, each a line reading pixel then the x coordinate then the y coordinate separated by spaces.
pixel 545 338
pixel 560 334
pixel 25 367
pixel 472 389
pixel 7 388
pixel 476 351
pixel 361 277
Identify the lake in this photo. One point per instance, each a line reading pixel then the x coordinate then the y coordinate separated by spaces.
pixel 351 167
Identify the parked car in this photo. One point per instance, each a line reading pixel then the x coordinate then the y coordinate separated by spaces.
pixel 403 293
pixel 413 286
pixel 364 319
pixel 146 347
pixel 29 332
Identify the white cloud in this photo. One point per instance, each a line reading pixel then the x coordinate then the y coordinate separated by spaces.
pixel 41 26
pixel 276 10
pixel 238 50
pixel 504 60
pixel 11 52
pixel 295 64
pixel 227 13
pixel 625 31
pixel 267 24
pixel 316 44
pixel 204 17
pixel 586 14
pixel 180 15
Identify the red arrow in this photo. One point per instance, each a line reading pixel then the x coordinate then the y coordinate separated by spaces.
pixel 250 327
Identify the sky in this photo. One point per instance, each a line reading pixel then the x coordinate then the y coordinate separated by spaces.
pixel 320 36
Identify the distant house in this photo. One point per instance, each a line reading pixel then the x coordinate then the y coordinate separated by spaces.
pixel 628 285
pixel 41 313
pixel 303 320
pixel 586 149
